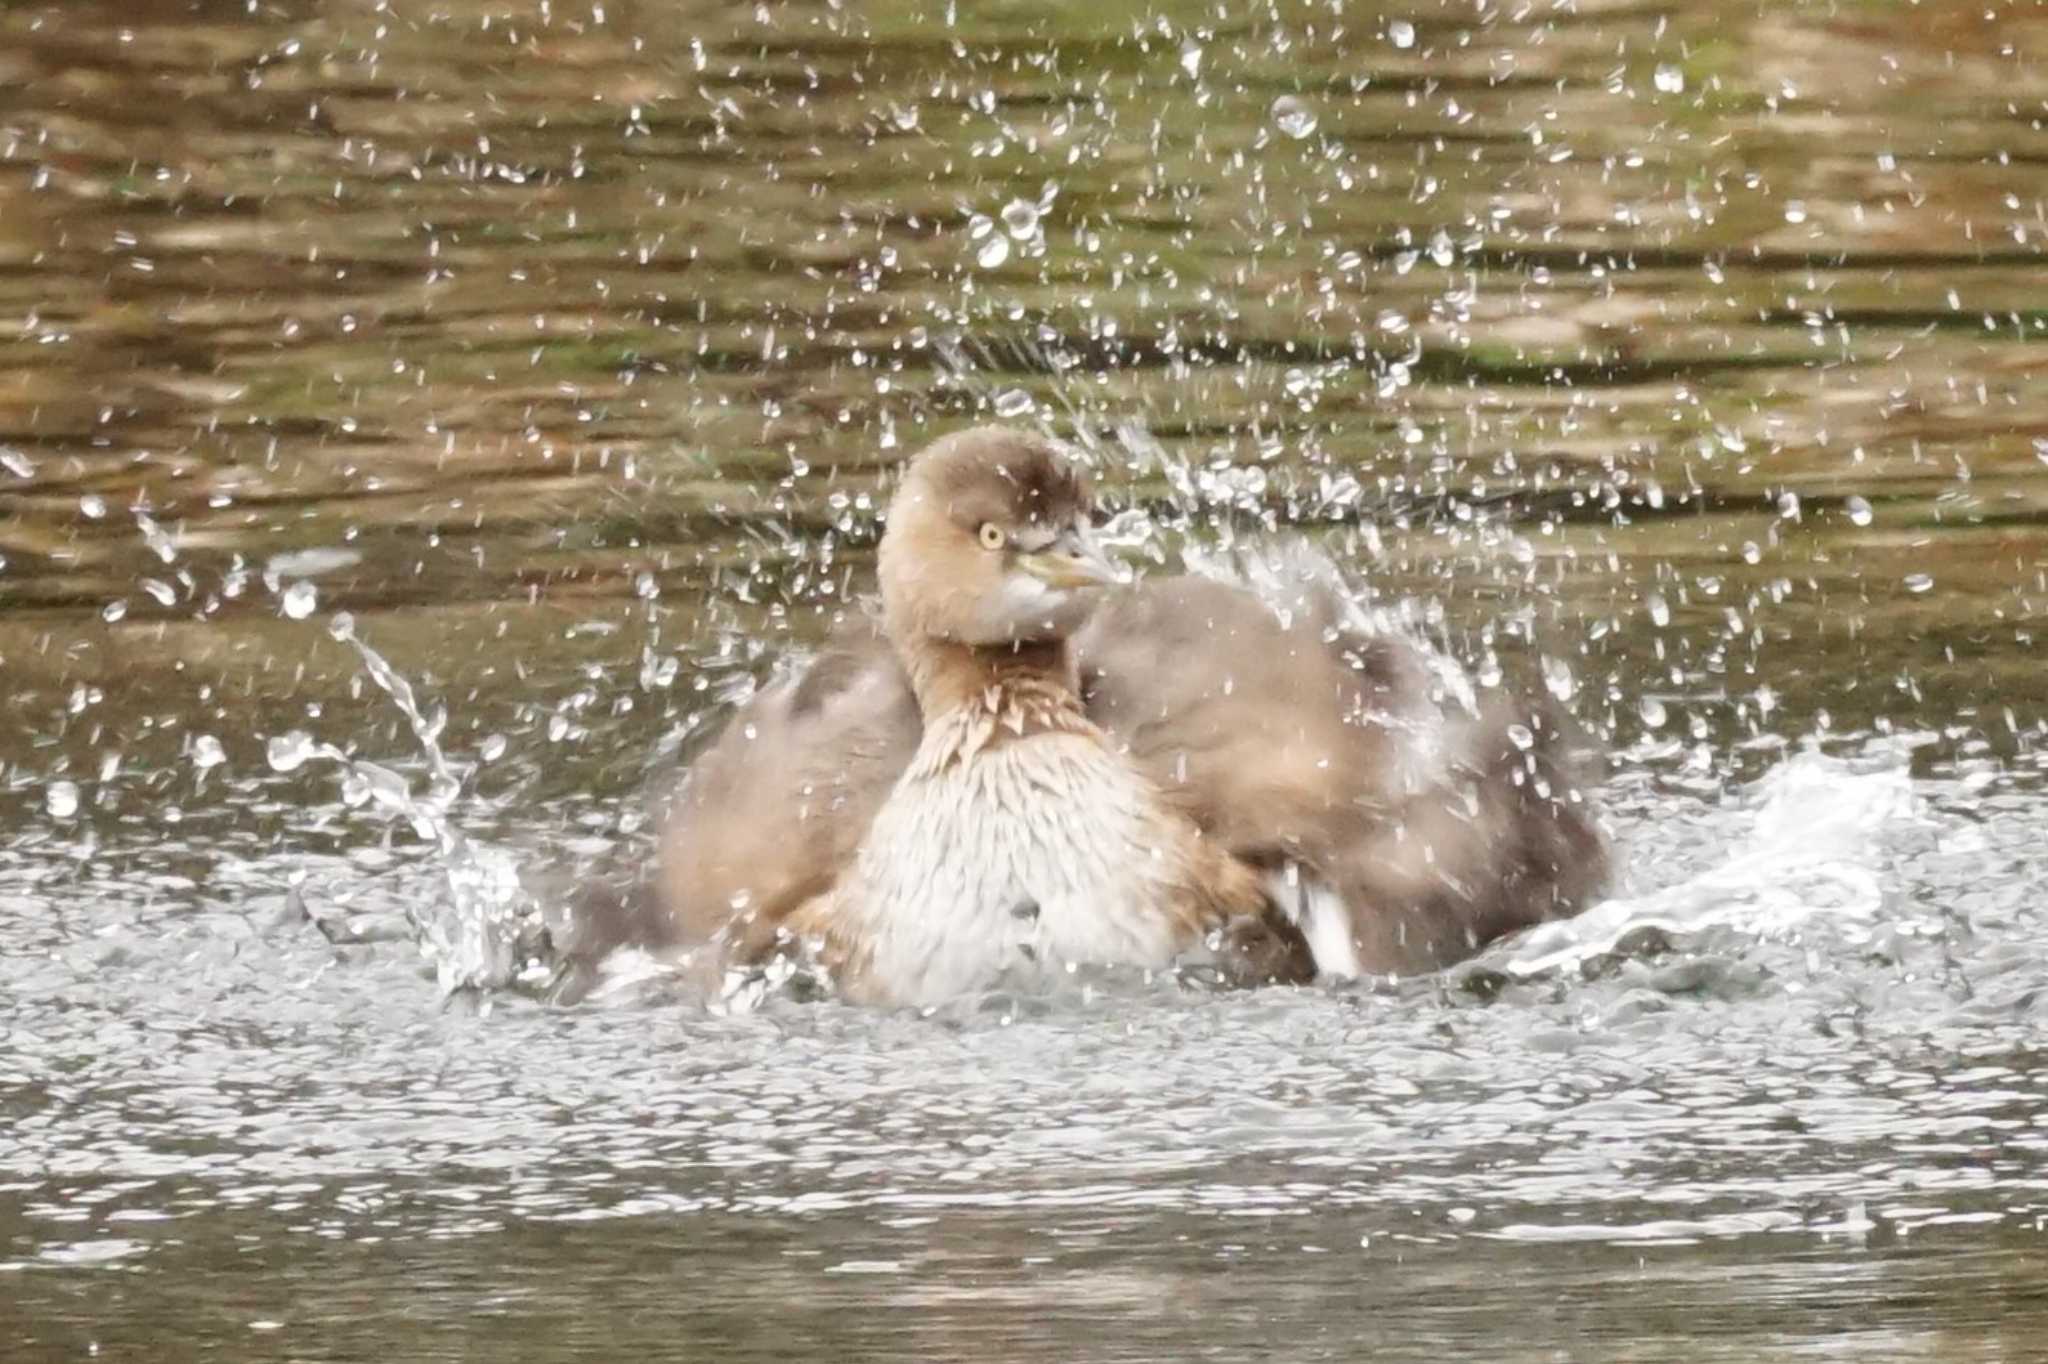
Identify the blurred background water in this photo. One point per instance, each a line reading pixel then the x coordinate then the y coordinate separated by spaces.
pixel 1691 361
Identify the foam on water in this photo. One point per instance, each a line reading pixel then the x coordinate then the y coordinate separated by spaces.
pixel 1814 847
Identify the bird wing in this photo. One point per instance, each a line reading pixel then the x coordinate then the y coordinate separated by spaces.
pixel 774 810
pixel 1295 729
pixel 762 821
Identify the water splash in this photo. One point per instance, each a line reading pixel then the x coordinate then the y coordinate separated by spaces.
pixel 1814 850
pixel 477 937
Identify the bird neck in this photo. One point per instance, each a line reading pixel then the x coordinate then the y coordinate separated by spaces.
pixel 1026 687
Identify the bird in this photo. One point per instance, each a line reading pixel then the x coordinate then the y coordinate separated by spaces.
pixel 1023 764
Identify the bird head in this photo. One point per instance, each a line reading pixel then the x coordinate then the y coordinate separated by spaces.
pixel 988 543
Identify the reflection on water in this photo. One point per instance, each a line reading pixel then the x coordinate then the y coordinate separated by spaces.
pixel 1694 349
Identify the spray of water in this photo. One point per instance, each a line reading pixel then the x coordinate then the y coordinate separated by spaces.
pixel 478 936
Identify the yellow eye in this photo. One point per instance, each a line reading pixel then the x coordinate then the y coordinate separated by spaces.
pixel 992 536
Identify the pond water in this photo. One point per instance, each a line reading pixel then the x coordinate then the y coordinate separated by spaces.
pixel 1693 359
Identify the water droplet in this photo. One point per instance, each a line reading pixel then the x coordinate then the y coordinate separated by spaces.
pixel 114 611
pixel 1401 33
pixel 658 671
pixel 1660 610
pixel 300 600
pixel 992 252
pixel 288 752
pixel 492 748
pixel 153 535
pixel 16 463
pixel 309 563
pixel 1670 80
pixel 1858 509
pixel 1293 116
pixel 2041 448
pixel 1919 582
pixel 1020 219
pixel 1191 58
pixel 1795 212
pixel 1440 250
pixel 1751 552
pixel 1557 676
pixel 61 799
pixel 92 506
pixel 160 591
pixel 1013 402
pixel 207 752
pixel 1653 712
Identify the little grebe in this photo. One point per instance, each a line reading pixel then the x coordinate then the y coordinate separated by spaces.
pixel 1020 771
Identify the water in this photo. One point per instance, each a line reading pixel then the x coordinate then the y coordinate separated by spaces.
pixel 1680 361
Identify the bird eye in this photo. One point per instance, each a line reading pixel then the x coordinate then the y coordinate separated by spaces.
pixel 992 536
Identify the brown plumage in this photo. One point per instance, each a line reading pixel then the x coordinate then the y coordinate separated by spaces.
pixel 1316 742
pixel 1018 841
pixel 1328 783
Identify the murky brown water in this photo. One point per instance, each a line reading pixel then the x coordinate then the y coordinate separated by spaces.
pixel 1700 347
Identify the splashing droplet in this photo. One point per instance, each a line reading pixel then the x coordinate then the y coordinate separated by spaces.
pixel 1293 116
pixel 1557 676
pixel 288 752
pixel 1013 402
pixel 300 600
pixel 1670 80
pixel 1020 219
pixel 1401 34
pixel 61 799
pixel 207 752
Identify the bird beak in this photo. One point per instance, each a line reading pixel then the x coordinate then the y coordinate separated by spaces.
pixel 1073 560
